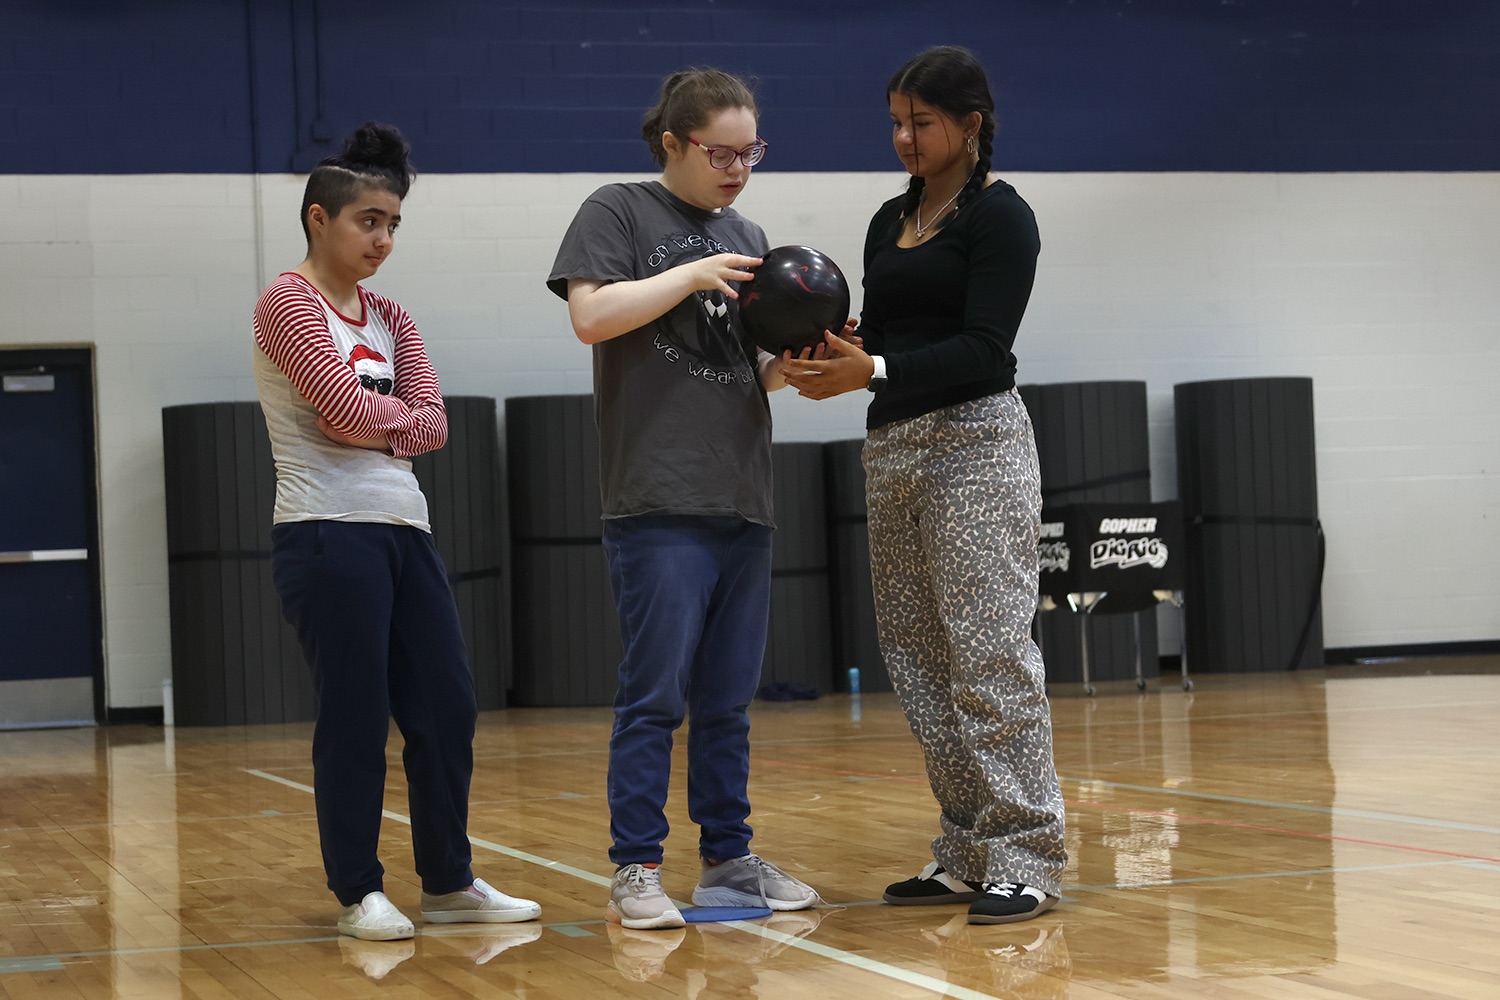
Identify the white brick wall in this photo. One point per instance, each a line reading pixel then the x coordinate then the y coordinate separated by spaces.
pixel 1380 287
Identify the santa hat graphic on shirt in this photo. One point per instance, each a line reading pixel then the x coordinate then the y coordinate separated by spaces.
pixel 374 371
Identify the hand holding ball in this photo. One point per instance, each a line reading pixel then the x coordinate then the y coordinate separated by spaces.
pixel 796 294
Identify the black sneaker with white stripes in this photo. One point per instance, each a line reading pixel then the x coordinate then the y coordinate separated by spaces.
pixel 1008 903
pixel 932 887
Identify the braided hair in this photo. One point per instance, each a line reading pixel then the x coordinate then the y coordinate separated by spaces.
pixel 950 78
pixel 376 155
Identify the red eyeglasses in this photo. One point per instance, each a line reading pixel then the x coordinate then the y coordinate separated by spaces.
pixel 722 157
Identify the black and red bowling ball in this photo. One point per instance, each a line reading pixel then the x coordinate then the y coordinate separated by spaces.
pixel 797 293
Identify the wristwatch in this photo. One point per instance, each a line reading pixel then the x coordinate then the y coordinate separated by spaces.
pixel 878 380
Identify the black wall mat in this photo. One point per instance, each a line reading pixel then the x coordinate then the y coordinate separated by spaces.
pixel 1247 477
pixel 567 635
pixel 465 503
pixel 552 446
pixel 856 643
pixel 799 644
pixel 234 659
pixel 1094 445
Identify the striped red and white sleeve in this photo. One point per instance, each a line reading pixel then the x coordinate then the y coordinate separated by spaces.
pixel 292 331
pixel 416 383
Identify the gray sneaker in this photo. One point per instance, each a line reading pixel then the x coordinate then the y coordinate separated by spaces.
pixel 751 881
pixel 636 900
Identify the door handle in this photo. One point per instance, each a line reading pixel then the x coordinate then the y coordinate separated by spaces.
pixel 44 555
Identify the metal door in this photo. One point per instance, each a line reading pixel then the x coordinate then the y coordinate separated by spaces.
pixel 51 652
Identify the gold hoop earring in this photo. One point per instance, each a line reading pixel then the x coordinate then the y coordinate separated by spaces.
pixel 972 145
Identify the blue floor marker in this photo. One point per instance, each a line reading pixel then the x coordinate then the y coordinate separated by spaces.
pixel 720 914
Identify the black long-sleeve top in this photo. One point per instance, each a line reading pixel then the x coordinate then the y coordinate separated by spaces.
pixel 944 313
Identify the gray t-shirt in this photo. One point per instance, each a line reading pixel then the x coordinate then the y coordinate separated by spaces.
pixel 684 424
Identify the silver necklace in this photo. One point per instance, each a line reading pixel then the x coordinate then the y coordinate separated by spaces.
pixel 921 229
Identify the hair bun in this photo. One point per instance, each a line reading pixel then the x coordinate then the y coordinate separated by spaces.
pixel 376 150
pixel 376 144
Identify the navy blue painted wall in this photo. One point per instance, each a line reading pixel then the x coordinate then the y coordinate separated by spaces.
pixel 131 86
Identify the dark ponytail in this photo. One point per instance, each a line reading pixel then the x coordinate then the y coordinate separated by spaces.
pixel 376 155
pixel 687 101
pixel 951 79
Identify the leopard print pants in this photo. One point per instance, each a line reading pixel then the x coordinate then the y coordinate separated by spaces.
pixel 955 508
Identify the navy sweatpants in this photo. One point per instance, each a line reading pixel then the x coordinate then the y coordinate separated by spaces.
pixel 378 625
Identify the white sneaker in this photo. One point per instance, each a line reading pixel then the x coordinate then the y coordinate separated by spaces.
pixel 637 900
pixel 480 903
pixel 375 918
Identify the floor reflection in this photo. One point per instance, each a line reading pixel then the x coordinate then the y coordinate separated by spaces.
pixel 1271 836
pixel 1159 833
pixel 375 959
pixel 642 955
pixel 1028 960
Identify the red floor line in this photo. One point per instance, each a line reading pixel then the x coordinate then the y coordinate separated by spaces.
pixel 1278 829
pixel 1181 817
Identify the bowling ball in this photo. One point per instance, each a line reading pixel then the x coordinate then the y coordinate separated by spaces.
pixel 797 293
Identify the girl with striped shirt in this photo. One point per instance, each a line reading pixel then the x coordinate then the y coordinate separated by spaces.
pixel 349 397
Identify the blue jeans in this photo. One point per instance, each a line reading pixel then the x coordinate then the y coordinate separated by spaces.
pixel 378 625
pixel 694 597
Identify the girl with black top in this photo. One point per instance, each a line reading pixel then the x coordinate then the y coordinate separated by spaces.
pixel 954 493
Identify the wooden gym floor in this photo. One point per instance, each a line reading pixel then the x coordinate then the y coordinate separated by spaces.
pixel 1331 834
